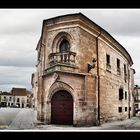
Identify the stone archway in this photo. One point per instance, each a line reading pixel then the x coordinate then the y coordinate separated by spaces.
pixel 62 108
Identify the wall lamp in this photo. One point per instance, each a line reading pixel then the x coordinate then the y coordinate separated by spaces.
pixel 92 65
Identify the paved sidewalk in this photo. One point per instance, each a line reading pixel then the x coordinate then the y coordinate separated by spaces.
pixel 129 124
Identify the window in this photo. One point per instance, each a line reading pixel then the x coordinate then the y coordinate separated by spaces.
pixel 124 69
pixel 129 108
pixel 4 98
pixel 10 98
pixel 118 66
pixel 120 94
pixel 118 63
pixel 125 109
pixel 64 49
pixel 107 59
pixel 17 99
pixel 64 46
pixel 108 66
pixel 119 109
pixel 125 95
pixel 125 73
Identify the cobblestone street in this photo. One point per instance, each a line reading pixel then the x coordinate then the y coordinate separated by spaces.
pixel 25 119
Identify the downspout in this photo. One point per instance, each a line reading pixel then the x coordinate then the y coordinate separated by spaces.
pixel 128 94
pixel 98 74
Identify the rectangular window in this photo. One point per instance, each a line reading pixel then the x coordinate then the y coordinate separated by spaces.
pixel 125 95
pixel 118 63
pixel 18 100
pixel 118 67
pixel 108 66
pixel 124 69
pixel 119 109
pixel 125 109
pixel 125 73
pixel 129 108
pixel 10 98
pixel 107 59
pixel 120 94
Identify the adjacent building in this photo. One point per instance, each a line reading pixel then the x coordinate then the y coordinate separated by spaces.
pixel 84 76
pixel 137 99
pixel 6 99
pixel 19 97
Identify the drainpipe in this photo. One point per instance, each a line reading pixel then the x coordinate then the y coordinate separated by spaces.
pixel 98 74
pixel 128 94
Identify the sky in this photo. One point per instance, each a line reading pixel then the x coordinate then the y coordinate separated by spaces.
pixel 20 30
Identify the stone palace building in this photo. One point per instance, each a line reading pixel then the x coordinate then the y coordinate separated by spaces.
pixel 84 76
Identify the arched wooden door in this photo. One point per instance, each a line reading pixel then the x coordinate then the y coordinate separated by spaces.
pixel 62 108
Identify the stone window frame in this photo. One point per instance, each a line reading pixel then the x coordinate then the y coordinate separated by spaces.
pixel 59 37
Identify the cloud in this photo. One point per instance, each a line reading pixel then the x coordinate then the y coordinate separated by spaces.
pixel 16 76
pixel 20 30
pixel 18 50
pixel 116 21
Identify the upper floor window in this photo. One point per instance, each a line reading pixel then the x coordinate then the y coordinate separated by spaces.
pixel 64 46
pixel 118 66
pixel 17 99
pixel 125 73
pixel 10 98
pixel 118 63
pixel 124 68
pixel 125 95
pixel 107 59
pixel 120 94
pixel 64 50
pixel 108 66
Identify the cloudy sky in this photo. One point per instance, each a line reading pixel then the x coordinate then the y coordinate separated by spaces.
pixel 20 30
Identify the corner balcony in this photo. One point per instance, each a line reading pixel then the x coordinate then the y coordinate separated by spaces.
pixel 61 62
pixel 67 57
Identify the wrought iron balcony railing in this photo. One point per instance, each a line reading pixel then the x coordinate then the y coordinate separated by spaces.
pixel 67 57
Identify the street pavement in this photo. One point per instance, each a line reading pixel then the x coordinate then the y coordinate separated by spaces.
pixel 25 119
pixel 132 124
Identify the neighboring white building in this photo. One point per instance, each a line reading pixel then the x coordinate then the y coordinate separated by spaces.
pixel 19 97
pixel 7 99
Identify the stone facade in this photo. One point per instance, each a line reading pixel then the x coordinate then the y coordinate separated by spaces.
pixel 137 99
pixel 95 69
pixel 34 83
